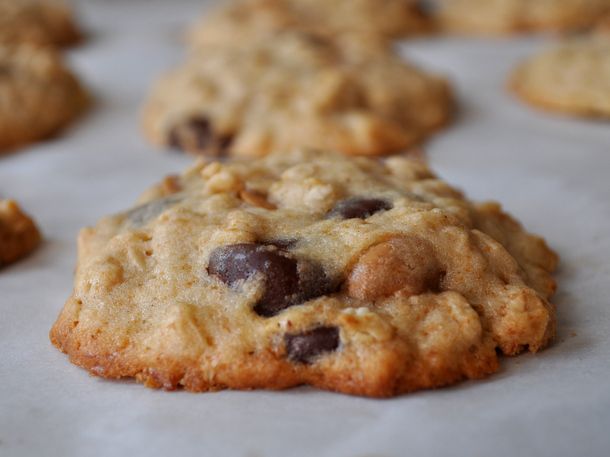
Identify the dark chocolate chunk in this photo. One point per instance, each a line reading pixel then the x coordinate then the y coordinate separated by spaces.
pixel 286 280
pixel 359 207
pixel 313 281
pixel 224 143
pixel 197 135
pixel 306 346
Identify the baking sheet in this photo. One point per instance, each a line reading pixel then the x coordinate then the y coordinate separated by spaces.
pixel 552 172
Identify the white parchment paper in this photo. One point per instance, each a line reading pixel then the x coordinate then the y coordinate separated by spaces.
pixel 552 172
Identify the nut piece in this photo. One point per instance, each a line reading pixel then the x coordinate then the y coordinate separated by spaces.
pixel 18 234
pixel 171 185
pixel 405 264
pixel 256 198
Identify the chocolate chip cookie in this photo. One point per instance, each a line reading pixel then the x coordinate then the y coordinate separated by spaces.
pixel 573 77
pixel 247 20
pixel 38 22
pixel 510 16
pixel 359 275
pixel 299 90
pixel 19 236
pixel 39 95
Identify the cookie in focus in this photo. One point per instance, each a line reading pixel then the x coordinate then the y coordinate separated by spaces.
pixel 358 275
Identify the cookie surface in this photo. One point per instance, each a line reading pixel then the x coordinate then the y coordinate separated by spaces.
pixel 38 95
pixel 573 77
pixel 19 236
pixel 507 16
pixel 359 275
pixel 300 90
pixel 39 22
pixel 243 21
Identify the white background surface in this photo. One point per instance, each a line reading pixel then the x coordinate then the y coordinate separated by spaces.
pixel 552 172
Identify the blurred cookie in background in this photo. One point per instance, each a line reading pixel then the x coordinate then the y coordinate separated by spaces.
pixel 40 22
pixel 572 77
pixel 245 20
pixel 39 95
pixel 299 90
pixel 513 16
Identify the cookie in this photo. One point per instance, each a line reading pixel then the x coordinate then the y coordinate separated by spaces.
pixel 39 95
pixel 247 20
pixel 573 77
pixel 37 22
pixel 19 236
pixel 299 90
pixel 510 16
pixel 360 275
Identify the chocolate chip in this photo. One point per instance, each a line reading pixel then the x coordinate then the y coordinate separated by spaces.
pixel 196 135
pixel 286 280
pixel 224 142
pixel 306 346
pixel 198 130
pixel 313 281
pixel 359 207
pixel 140 215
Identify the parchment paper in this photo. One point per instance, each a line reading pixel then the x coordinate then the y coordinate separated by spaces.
pixel 551 172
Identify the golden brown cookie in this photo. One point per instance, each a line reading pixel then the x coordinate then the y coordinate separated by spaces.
pixel 359 275
pixel 37 22
pixel 510 16
pixel 573 77
pixel 300 90
pixel 38 95
pixel 246 20
pixel 19 236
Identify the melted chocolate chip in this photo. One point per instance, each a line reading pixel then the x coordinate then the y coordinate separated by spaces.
pixel 313 281
pixel 140 215
pixel 286 280
pixel 359 207
pixel 305 347
pixel 197 135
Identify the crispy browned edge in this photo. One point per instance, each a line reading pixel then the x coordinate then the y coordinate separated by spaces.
pixel 267 371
